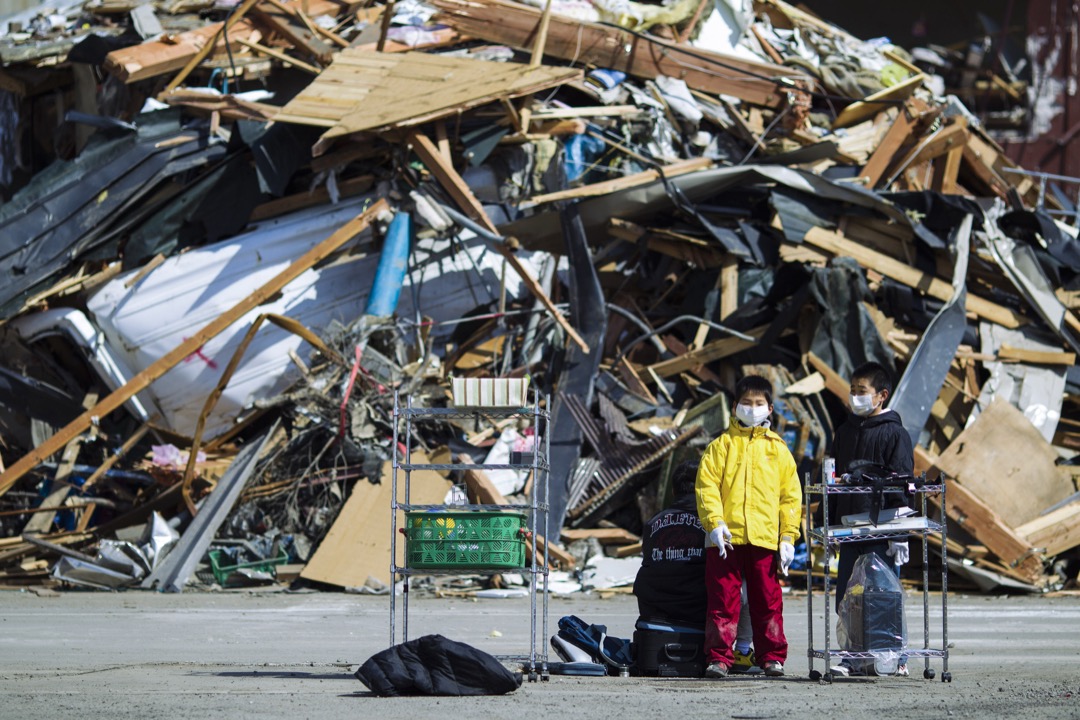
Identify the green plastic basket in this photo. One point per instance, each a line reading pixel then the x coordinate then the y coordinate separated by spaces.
pixel 222 572
pixel 461 540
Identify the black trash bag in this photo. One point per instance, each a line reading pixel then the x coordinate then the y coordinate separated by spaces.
pixel 435 665
pixel 871 616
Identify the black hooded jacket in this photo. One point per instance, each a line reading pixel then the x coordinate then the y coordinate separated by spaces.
pixel 879 439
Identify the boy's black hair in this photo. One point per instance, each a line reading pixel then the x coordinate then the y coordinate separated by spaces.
pixel 875 374
pixel 754 384
pixel 684 478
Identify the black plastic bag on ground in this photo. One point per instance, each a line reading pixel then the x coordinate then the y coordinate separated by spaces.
pixel 435 665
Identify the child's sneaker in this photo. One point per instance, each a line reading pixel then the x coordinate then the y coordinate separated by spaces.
pixel 901 671
pixel 744 662
pixel 774 668
pixel 716 670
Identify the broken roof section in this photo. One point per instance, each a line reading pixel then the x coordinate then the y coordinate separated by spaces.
pixel 363 90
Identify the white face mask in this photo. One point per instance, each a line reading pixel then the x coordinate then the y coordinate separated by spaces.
pixel 752 415
pixel 862 405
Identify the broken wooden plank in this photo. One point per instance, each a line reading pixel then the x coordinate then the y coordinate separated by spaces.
pixel 151 59
pixel 713 351
pixel 835 243
pixel 294 27
pixel 319 196
pixel 680 167
pixel 695 252
pixel 1055 532
pixel 158 368
pixel 640 55
pixel 834 383
pixel 454 185
pixel 869 106
pixel 278 55
pixel 605 536
pixel 1008 353
pixel 898 135
pixel 234 17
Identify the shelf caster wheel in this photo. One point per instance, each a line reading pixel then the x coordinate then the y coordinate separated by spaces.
pixel 946 677
pixel 827 677
pixel 532 677
pixel 545 677
pixel 815 675
pixel 928 673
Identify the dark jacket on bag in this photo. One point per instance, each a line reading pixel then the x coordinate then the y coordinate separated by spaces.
pixel 671 582
pixel 434 665
pixel 879 439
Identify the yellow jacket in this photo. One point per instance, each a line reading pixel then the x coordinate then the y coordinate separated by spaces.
pixel 748 479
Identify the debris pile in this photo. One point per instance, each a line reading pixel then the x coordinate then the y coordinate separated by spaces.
pixel 235 234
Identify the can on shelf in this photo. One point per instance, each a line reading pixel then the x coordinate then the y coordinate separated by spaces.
pixel 828 471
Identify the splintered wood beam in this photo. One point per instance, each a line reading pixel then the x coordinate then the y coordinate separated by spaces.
pixel 647 57
pixel 206 49
pixel 713 351
pixel 173 358
pixel 463 197
pixel 1054 532
pixel 278 55
pixel 835 384
pixel 869 106
pixel 729 286
pixel 946 170
pixel 680 167
pixel 895 138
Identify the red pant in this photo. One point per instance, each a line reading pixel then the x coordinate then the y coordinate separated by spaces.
pixel 723 588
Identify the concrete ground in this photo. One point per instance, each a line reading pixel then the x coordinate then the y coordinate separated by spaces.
pixel 242 655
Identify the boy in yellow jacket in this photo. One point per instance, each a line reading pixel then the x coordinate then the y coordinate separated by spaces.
pixel 748 499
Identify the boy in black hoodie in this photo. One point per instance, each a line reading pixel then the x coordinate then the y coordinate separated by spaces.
pixel 871 433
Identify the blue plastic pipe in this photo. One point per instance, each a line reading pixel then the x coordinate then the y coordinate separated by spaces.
pixel 393 263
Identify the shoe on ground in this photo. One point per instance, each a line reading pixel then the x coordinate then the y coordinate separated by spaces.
pixel 840 670
pixel 716 670
pixel 901 671
pixel 774 668
pixel 744 663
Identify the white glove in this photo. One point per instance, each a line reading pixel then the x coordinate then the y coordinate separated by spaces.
pixel 787 554
pixel 899 552
pixel 720 538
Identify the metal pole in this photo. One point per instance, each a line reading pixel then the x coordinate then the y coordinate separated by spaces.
pixel 828 564
pixel 547 529
pixel 944 585
pixel 533 510
pixel 926 589
pixel 393 519
pixel 809 578
pixel 408 500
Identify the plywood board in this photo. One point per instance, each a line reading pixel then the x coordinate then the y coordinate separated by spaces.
pixel 1006 462
pixel 364 90
pixel 358 544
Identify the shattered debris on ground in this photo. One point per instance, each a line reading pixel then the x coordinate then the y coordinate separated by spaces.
pixel 232 231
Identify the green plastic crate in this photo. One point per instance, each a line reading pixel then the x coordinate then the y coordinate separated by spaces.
pixel 462 540
pixel 222 572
